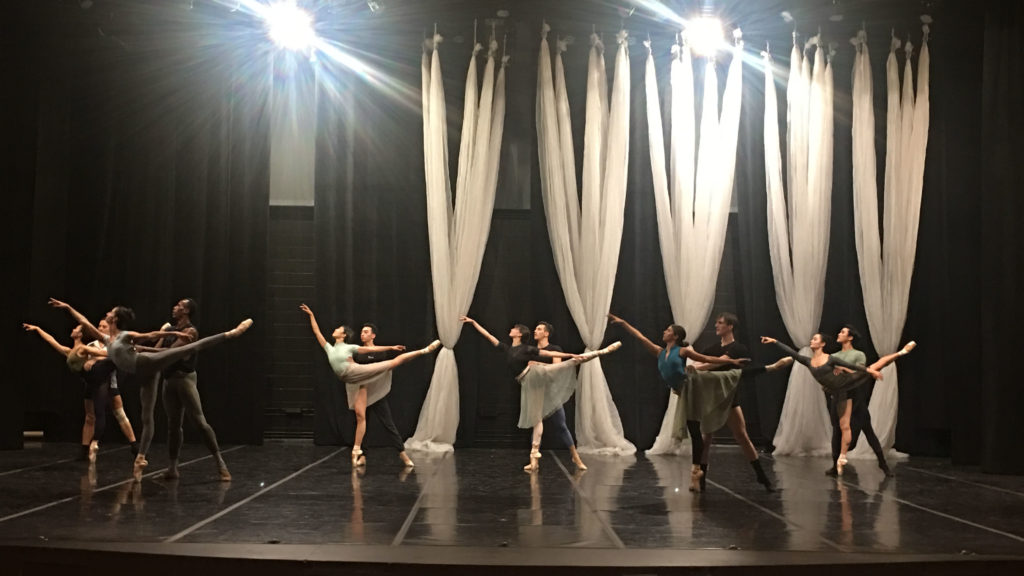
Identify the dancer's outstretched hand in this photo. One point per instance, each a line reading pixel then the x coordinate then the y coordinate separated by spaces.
pixel 768 340
pixel 398 348
pixel 739 361
pixel 466 320
pixel 58 304
pixel 30 327
pixel 305 309
pixel 615 319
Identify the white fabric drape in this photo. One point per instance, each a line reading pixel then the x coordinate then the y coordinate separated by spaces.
pixel 692 223
pixel 886 270
pixel 585 235
pixel 798 238
pixel 457 235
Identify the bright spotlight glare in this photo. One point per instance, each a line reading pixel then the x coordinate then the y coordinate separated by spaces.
pixel 289 26
pixel 705 35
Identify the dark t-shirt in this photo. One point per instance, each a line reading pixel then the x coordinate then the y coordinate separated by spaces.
pixel 186 365
pixel 732 350
pixel 518 357
pixel 370 357
pixel 549 348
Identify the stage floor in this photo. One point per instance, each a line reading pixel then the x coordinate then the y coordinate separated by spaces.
pixel 292 500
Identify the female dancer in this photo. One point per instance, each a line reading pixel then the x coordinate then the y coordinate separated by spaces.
pixel 115 401
pixel 838 378
pixel 364 383
pixel 705 398
pixel 544 387
pixel 146 365
pixel 92 365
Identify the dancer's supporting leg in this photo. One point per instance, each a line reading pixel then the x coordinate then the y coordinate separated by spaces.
pixel 382 411
pixel 556 421
pixel 100 397
pixel 359 407
pixel 538 432
pixel 181 396
pixel 88 426
pixel 845 408
pixel 698 450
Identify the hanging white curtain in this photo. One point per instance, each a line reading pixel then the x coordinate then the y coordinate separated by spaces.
pixel 692 224
pixel 457 235
pixel 585 236
pixel 886 271
pixel 798 237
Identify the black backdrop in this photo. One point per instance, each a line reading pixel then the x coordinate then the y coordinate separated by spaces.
pixel 135 171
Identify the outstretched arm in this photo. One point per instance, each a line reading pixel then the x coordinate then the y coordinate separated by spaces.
pixel 312 323
pixel 483 331
pixel 651 347
pixel 558 356
pixel 60 348
pixel 787 350
pixel 159 334
pixel 698 357
pixel 368 349
pixel 88 329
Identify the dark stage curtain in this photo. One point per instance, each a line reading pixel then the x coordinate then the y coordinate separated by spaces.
pixel 1002 255
pixel 147 183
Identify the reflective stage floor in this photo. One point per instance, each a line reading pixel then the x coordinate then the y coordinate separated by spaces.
pixel 294 502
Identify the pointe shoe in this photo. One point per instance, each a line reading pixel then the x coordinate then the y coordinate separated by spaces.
pixel 840 463
pixel 907 348
pixel 431 347
pixel 603 351
pixel 242 327
pixel 138 468
pixel 408 462
pixel 94 448
pixel 579 463
pixel 357 457
pixel 695 475
pixel 224 475
pixel 779 364
pixel 534 459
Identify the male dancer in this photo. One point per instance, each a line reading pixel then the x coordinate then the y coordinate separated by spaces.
pixel 542 335
pixel 727 347
pixel 181 394
pixel 860 417
pixel 380 409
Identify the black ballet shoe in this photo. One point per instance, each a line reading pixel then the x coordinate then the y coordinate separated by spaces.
pixel 704 477
pixel 885 468
pixel 833 472
pixel 762 478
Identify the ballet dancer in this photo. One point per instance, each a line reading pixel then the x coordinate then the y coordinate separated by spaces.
pixel 379 409
pixel 860 416
pixel 116 402
pixel 542 336
pixel 147 365
pixel 365 384
pixel 544 388
pixel 726 324
pixel 838 378
pixel 705 398
pixel 181 393
pixel 92 365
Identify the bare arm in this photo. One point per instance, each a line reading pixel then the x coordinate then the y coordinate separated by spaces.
pixel 368 349
pixel 651 347
pixel 312 323
pixel 805 360
pixel 483 331
pixel 88 329
pixel 717 360
pixel 146 336
pixel 557 356
pixel 60 348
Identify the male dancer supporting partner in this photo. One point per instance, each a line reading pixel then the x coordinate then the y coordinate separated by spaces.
pixel 860 417
pixel 181 393
pixel 379 409
pixel 725 327
pixel 542 335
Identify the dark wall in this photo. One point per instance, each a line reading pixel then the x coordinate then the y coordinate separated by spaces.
pixel 136 163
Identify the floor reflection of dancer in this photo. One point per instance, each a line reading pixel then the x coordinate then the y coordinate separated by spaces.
pixel 146 365
pixel 380 409
pixel 705 398
pixel 92 365
pixel 365 384
pixel 542 335
pixel 181 393
pixel 727 347
pixel 860 416
pixel 544 388
pixel 828 371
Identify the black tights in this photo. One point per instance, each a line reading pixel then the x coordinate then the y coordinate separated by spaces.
pixel 382 411
pixel 860 419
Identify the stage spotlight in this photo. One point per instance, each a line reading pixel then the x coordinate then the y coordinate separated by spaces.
pixel 289 26
pixel 705 35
